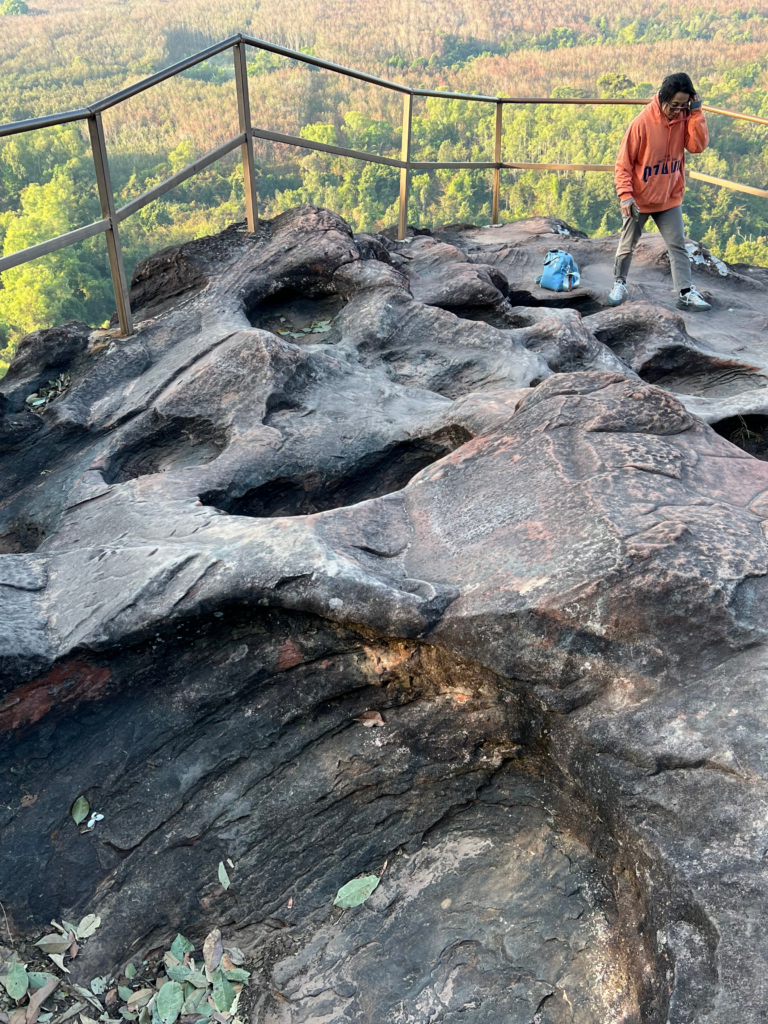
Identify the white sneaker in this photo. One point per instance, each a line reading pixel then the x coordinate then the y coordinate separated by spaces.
pixel 692 302
pixel 617 294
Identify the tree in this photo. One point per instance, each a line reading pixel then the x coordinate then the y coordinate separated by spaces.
pixel 14 7
pixel 71 284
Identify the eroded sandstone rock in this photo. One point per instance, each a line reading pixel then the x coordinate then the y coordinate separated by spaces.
pixel 259 518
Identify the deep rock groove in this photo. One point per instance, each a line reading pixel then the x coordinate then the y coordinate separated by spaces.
pixel 695 373
pixel 378 474
pixel 173 444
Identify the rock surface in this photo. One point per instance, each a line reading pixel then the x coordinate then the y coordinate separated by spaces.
pixel 335 474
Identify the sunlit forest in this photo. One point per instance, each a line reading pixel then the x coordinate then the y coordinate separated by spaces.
pixel 65 55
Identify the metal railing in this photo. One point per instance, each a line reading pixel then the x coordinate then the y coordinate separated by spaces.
pixel 111 216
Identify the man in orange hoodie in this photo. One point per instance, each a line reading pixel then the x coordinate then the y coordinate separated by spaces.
pixel 650 181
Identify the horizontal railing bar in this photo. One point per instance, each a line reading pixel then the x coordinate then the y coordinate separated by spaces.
pixel 456 165
pixel 573 100
pixel 161 76
pixel 176 179
pixel 467 97
pixel 66 117
pixel 324 147
pixel 59 242
pixel 724 183
pixel 557 167
pixel 326 65
pixel 733 113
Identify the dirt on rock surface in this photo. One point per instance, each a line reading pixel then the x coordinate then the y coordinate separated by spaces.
pixel 370 559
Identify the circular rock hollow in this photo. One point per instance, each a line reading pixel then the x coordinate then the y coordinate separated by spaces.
pixel 169 444
pixel 299 319
pixel 377 474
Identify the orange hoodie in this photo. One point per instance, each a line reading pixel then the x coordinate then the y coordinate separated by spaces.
pixel 651 160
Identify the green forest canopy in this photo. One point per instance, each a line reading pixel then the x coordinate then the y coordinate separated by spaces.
pixel 47 183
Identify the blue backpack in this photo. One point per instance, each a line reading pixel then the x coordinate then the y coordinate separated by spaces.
pixel 560 272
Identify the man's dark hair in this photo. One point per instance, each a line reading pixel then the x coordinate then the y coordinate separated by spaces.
pixel 679 82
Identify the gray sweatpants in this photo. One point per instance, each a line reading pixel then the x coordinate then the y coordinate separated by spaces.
pixel 670 225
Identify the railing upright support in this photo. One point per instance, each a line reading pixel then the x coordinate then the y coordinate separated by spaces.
pixel 107 201
pixel 497 161
pixel 405 172
pixel 244 117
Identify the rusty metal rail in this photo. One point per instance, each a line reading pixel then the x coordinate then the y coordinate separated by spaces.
pixel 111 217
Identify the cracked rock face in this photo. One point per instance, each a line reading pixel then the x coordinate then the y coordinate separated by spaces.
pixel 334 474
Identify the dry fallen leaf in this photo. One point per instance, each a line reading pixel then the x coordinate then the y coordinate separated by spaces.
pixel 290 902
pixel 37 1000
pixel 461 698
pixel 28 799
pixel 140 998
pixel 212 950
pixel 74 949
pixel 226 963
pixel 111 997
pixel 54 943
pixel 88 926
pixel 236 955
pixel 369 719
pixel 19 1016
pixel 58 959
pixel 71 1012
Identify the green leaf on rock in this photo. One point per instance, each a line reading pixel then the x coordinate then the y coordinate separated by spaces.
pixel 178 972
pixel 130 971
pixel 16 981
pixel 223 876
pixel 124 992
pixel 54 943
pixel 80 809
pixel 355 892
pixel 237 974
pixel 128 1014
pixel 169 1001
pixel 181 946
pixel 197 978
pixel 223 993
pixel 38 978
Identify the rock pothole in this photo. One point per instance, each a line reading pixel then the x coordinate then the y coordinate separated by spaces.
pixel 511 315
pixel 173 444
pixel 695 373
pixel 299 319
pixel 749 433
pixel 378 473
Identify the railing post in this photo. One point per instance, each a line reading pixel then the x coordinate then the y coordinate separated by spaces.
pixel 244 117
pixel 107 201
pixel 405 172
pixel 497 169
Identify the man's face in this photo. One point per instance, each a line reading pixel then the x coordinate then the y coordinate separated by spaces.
pixel 677 106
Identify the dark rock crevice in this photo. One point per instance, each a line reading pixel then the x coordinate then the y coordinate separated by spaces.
pixel 166 444
pixel 379 473
pixel 749 432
